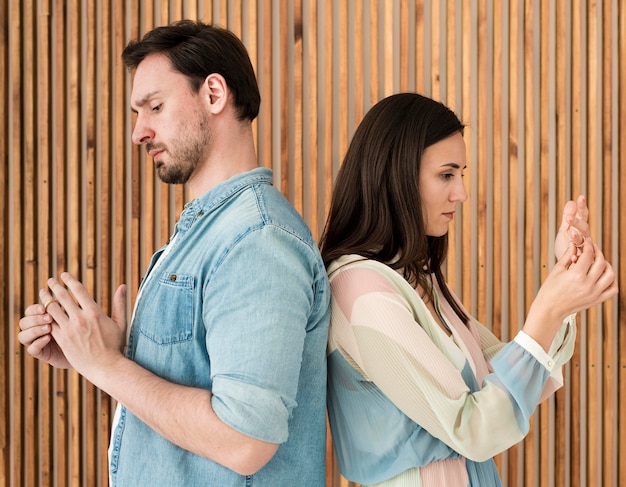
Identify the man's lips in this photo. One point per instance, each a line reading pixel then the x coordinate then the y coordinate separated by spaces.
pixel 154 152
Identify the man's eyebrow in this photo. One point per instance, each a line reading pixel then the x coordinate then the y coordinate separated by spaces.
pixel 142 101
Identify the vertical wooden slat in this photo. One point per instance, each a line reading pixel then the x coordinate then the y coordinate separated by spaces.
pixel 325 18
pixel 516 204
pixel 467 96
pixel 90 86
pixel 388 32
pixel 578 425
pixel 104 215
pixel 13 385
pixel 296 157
pixel 57 224
pixel 609 176
pixel 46 374
pixel 73 209
pixel 310 102
pixel 28 217
pixel 264 73
pixel 544 195
pixel 372 37
pixel 499 172
pixel 562 79
pixel 250 21
pixel 340 86
pixel 282 73
pixel 620 44
pixel 434 59
pixel 594 336
pixel 506 157
pixel 6 315
pixel 527 184
pixel 153 194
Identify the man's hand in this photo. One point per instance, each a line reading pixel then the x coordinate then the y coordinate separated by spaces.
pixel 87 337
pixel 36 326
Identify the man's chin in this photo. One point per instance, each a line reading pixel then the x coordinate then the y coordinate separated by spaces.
pixel 170 178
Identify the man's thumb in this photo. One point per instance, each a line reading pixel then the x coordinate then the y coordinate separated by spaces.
pixel 118 313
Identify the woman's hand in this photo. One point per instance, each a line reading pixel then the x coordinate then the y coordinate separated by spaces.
pixel 574 284
pixel 574 228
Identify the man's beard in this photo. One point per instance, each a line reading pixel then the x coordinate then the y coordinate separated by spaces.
pixel 187 155
pixel 177 171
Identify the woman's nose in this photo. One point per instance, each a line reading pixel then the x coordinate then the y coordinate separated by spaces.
pixel 460 193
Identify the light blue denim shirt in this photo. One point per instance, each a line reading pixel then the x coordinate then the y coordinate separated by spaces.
pixel 239 305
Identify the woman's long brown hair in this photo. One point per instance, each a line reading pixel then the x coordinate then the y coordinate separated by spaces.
pixel 376 207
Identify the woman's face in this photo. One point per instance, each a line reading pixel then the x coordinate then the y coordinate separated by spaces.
pixel 441 183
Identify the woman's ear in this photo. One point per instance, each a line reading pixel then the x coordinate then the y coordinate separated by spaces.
pixel 216 92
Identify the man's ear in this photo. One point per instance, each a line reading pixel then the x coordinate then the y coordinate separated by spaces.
pixel 216 92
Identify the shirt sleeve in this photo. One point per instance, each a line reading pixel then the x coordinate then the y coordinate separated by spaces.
pixel 256 310
pixel 556 357
pixel 397 345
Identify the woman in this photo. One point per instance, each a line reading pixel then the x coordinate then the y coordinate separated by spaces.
pixel 420 394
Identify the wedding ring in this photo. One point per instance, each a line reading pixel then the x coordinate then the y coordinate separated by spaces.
pixel 48 303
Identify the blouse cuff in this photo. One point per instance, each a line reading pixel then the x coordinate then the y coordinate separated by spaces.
pixel 536 350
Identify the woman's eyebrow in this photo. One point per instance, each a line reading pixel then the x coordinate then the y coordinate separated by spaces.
pixel 454 165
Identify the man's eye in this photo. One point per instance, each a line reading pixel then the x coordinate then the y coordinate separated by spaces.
pixel 157 108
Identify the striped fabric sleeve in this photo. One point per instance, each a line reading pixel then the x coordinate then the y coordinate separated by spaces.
pixel 391 338
pixel 559 354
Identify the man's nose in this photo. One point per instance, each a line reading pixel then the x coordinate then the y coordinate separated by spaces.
pixel 142 134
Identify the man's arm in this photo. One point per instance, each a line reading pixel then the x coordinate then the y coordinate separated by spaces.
pixel 92 343
pixel 183 415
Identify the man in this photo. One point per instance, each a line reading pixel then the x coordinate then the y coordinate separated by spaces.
pixel 224 379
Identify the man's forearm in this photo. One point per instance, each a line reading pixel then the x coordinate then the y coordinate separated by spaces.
pixel 182 415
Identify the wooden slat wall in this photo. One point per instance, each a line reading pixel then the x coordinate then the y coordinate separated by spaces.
pixel 540 85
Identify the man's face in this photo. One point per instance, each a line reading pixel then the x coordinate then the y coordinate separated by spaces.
pixel 171 120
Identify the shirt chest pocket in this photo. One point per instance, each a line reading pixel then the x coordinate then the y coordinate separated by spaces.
pixel 168 311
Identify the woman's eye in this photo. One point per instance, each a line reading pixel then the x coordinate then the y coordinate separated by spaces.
pixel 156 108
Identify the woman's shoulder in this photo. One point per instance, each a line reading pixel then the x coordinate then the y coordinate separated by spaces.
pixel 354 261
pixel 356 275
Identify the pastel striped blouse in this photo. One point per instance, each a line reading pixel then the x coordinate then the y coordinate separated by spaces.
pixel 411 406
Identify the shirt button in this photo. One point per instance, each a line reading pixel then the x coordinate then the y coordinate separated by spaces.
pixel 173 277
pixel 550 363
